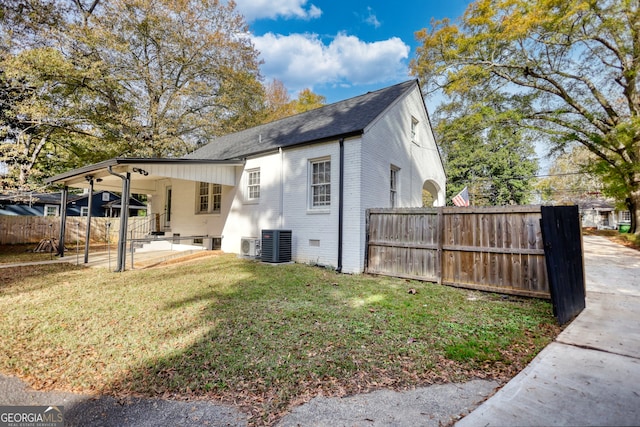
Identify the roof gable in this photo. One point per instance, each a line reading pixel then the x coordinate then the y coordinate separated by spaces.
pixel 341 119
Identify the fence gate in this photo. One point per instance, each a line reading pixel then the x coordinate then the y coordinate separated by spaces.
pixel 563 253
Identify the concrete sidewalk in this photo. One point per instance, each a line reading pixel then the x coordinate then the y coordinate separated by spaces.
pixel 590 376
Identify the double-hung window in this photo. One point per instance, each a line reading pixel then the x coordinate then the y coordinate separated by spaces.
pixel 253 185
pixel 320 183
pixel 209 198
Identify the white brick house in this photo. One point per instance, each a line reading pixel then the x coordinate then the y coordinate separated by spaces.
pixel 315 174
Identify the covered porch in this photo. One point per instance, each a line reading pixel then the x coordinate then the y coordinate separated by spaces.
pixel 141 176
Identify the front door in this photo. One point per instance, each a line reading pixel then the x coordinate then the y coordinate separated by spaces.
pixel 167 208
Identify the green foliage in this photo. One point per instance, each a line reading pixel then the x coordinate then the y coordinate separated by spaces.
pixel 120 78
pixel 569 67
pixel 278 104
pixel 571 178
pixel 486 151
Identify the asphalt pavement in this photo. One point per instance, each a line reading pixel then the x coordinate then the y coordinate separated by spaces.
pixel 590 376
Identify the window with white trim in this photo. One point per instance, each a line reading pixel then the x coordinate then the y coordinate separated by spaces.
pixel 393 185
pixel 51 210
pixel 84 210
pixel 414 129
pixel 320 183
pixel 209 198
pixel 253 184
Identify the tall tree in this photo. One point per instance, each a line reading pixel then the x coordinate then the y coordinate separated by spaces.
pixel 571 67
pixel 123 78
pixel 187 67
pixel 484 151
pixel 278 103
pixel 571 179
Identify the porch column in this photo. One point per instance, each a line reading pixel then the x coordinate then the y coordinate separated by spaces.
pixel 63 220
pixel 88 237
pixel 124 221
pixel 124 217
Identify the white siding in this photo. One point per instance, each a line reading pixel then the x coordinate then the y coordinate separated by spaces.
pixel 248 218
pixel 315 232
pixel 284 189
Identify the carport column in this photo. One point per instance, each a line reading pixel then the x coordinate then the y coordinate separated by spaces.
pixel 124 217
pixel 63 220
pixel 88 236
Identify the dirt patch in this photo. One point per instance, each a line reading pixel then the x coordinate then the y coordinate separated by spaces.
pixel 186 258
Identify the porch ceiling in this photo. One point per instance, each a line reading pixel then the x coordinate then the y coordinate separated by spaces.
pixel 146 172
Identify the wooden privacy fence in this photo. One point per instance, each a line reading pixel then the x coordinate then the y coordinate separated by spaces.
pixel 32 229
pixel 491 249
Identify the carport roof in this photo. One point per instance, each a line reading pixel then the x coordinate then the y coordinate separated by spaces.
pixel 146 171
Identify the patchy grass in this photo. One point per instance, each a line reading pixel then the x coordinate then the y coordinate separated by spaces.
pixel 22 253
pixel 10 254
pixel 261 336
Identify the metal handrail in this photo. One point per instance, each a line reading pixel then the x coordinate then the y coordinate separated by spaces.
pixel 154 224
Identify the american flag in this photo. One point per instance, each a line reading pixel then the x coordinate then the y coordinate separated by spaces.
pixel 462 198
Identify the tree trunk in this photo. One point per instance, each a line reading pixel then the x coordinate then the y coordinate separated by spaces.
pixel 633 204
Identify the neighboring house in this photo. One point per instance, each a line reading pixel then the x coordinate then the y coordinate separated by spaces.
pixel 314 173
pixel 602 214
pixel 104 204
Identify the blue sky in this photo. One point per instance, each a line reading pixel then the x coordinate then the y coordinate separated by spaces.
pixel 340 49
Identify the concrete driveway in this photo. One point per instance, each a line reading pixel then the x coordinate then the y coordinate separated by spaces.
pixel 590 376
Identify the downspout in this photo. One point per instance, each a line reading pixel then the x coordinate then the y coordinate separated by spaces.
pixel 124 217
pixel 340 205
pixel 281 187
pixel 89 207
pixel 63 220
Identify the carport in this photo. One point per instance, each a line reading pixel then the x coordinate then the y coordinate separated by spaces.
pixel 136 176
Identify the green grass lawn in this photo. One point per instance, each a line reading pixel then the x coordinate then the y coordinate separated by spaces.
pixel 262 336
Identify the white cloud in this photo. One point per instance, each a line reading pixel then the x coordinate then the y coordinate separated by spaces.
pixel 372 19
pixel 304 60
pixel 272 9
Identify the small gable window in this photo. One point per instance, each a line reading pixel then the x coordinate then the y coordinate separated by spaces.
pixel 414 129
pixel 393 185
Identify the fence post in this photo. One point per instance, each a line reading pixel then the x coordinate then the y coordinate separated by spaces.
pixel 367 215
pixel 439 238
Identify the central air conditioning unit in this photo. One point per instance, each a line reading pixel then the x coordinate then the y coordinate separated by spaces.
pixel 250 247
pixel 276 246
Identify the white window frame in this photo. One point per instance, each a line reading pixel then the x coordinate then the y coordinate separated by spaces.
pixel 414 129
pixel 208 198
pixel 54 207
pixel 253 185
pixel 84 210
pixel 319 186
pixel 393 185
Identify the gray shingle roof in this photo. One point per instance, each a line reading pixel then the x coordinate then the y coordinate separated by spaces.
pixel 342 119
